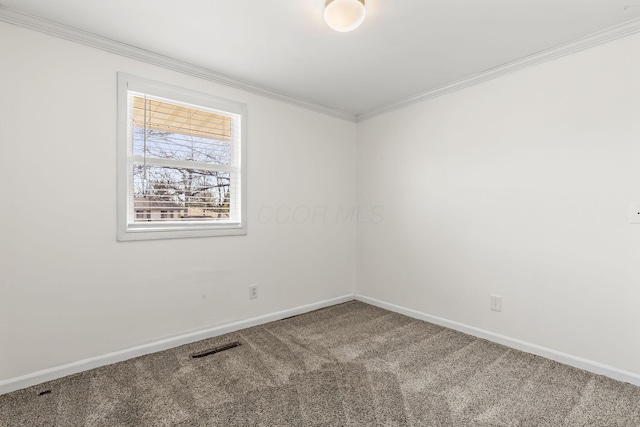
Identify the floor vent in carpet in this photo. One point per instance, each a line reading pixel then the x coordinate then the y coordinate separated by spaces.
pixel 215 350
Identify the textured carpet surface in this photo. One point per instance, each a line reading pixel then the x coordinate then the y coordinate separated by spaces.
pixel 347 365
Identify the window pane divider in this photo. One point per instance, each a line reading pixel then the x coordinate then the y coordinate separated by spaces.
pixel 178 164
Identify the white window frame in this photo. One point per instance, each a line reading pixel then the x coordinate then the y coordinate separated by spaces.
pixel 127 229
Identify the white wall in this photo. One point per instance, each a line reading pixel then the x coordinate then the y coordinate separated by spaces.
pixel 70 291
pixel 518 187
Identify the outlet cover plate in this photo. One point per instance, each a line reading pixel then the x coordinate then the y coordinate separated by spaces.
pixel 495 303
pixel 253 291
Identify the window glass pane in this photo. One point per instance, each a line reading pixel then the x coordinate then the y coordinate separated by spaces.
pixel 165 131
pixel 191 194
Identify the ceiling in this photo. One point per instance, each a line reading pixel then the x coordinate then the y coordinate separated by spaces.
pixel 404 47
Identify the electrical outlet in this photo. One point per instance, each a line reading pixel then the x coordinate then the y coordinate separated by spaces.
pixel 496 303
pixel 253 291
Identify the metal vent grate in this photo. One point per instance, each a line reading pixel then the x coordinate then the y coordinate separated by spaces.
pixel 215 350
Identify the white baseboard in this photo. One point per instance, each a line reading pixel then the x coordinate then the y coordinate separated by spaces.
pixel 17 383
pixel 558 356
pixel 39 377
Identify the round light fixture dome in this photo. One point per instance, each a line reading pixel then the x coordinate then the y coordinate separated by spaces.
pixel 344 15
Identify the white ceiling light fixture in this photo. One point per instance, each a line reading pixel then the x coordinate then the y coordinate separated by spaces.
pixel 344 15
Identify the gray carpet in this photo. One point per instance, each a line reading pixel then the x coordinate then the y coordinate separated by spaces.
pixel 347 365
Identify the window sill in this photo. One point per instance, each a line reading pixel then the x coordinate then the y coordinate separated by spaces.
pixel 153 232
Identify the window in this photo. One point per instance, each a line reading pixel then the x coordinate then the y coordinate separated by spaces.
pixel 179 151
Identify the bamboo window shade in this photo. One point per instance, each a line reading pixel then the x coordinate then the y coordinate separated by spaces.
pixel 166 117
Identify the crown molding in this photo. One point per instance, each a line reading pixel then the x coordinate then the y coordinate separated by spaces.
pixel 35 23
pixel 591 40
pixel 12 16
